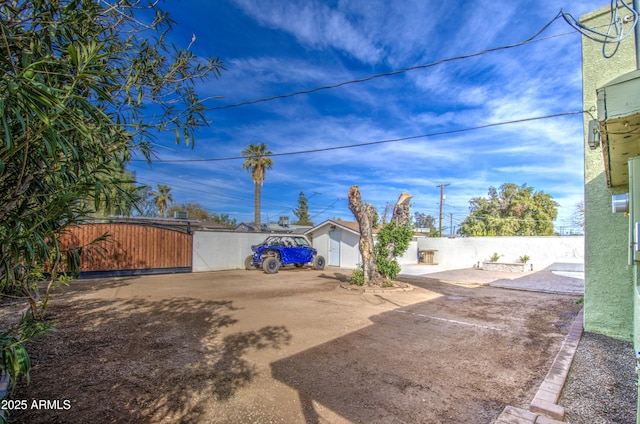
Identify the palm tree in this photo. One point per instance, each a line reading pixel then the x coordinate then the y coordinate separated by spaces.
pixel 258 161
pixel 162 198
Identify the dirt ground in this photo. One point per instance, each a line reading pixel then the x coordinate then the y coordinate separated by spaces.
pixel 292 347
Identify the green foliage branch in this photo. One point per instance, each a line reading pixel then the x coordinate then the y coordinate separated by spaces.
pixel 79 83
pixel 83 85
pixel 511 210
pixel 392 241
pixel 14 358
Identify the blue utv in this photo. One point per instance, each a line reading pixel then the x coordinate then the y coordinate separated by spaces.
pixel 278 251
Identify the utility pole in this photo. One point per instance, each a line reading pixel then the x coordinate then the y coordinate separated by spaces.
pixel 450 223
pixel 442 186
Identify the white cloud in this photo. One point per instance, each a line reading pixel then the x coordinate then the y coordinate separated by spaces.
pixel 530 170
pixel 315 25
pixel 316 44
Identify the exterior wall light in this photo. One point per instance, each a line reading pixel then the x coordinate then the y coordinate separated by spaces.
pixel 620 203
pixel 594 134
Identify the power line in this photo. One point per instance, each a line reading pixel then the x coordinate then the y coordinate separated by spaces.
pixel 200 184
pixel 327 208
pixel 531 39
pixel 441 186
pixel 615 23
pixel 140 165
pixel 371 143
pixel 398 71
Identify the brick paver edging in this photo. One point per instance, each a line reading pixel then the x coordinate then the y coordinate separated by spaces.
pixel 544 408
pixel 546 399
pixel 363 289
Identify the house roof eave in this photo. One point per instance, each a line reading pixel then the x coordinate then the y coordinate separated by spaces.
pixel 337 223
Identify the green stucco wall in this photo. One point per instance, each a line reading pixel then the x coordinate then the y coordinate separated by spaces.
pixel 609 287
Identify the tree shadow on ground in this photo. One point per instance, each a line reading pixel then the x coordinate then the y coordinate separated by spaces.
pixel 456 358
pixel 343 278
pixel 141 360
pixel 80 287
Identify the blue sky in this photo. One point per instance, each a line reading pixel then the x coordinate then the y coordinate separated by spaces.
pixel 275 47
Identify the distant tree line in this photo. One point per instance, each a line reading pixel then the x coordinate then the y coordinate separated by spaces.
pixel 147 202
pixel 511 210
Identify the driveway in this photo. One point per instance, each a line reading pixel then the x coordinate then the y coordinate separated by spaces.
pixel 292 347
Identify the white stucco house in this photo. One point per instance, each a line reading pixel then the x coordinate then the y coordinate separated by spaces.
pixel 337 241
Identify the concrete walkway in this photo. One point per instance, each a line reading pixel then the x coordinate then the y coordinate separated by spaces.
pixel 544 408
pixel 541 281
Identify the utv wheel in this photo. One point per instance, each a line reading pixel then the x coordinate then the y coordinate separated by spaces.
pixel 248 263
pixel 318 262
pixel 271 265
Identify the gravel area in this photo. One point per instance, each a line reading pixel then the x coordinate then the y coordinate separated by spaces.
pixel 601 387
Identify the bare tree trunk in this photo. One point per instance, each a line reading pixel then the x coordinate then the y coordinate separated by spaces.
pixel 401 212
pixel 388 209
pixel 256 212
pixel 401 217
pixel 365 215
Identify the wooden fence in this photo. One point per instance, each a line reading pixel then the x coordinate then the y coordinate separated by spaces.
pixel 130 248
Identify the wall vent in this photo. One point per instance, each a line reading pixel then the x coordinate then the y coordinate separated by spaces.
pixel 283 221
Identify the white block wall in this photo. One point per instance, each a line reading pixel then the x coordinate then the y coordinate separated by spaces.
pixel 553 253
pixel 410 257
pixel 216 251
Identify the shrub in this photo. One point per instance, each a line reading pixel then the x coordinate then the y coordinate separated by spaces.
pixel 14 359
pixel 357 277
pixel 393 241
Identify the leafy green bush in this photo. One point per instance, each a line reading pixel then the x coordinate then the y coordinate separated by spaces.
pixel 393 241
pixel 77 81
pixel 388 268
pixel 357 277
